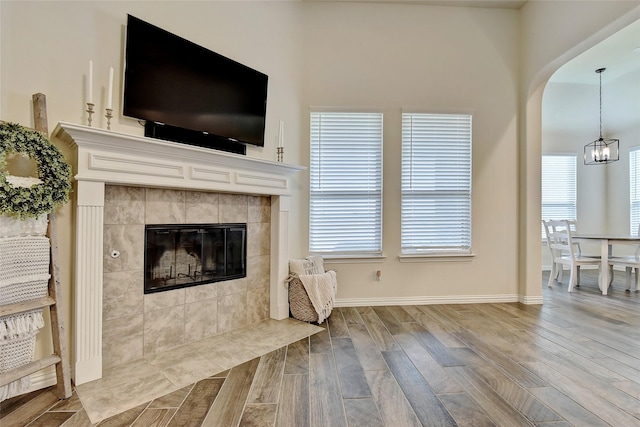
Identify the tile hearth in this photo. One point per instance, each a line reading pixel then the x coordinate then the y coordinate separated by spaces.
pixel 126 386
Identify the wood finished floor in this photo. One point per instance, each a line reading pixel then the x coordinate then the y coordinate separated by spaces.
pixel 574 361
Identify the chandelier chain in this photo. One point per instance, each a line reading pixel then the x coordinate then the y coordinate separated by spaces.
pixel 600 73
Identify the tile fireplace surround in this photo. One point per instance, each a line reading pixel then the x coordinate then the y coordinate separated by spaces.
pixel 107 159
pixel 137 325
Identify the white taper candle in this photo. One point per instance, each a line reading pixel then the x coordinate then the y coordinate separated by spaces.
pixel 90 84
pixel 110 96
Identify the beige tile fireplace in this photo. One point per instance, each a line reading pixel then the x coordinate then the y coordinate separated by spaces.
pixel 137 325
pixel 113 166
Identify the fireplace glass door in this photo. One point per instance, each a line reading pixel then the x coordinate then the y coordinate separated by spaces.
pixel 178 256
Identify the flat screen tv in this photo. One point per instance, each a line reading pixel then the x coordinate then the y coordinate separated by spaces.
pixel 187 93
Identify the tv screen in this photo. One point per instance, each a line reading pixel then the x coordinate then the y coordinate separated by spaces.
pixel 172 81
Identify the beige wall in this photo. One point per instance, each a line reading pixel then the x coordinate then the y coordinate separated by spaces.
pixel 490 62
pixel 439 59
pixel 623 122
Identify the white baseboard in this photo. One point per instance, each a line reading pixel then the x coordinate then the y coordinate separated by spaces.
pixel 42 379
pixel 425 300
pixel 585 267
pixel 523 299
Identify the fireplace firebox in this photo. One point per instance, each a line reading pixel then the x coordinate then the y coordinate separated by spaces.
pixel 178 256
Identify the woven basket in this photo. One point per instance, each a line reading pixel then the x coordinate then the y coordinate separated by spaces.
pixel 23 257
pixel 24 289
pixel 299 302
pixel 17 352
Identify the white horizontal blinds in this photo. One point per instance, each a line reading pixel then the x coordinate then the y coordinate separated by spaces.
pixel 436 183
pixel 558 187
pixel 345 212
pixel 634 189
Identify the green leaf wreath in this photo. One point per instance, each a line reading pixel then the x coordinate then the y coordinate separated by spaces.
pixel 53 171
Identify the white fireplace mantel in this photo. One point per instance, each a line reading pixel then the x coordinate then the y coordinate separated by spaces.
pixel 107 157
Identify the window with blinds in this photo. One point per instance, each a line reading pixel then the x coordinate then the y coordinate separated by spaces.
pixel 558 188
pixel 436 184
pixel 634 190
pixel 345 206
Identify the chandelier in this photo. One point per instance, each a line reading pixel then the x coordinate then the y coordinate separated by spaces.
pixel 602 150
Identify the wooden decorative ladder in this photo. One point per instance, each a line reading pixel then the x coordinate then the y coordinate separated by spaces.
pixel 59 358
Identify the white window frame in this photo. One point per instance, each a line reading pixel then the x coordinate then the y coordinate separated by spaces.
pixel 345 183
pixel 634 190
pixel 433 194
pixel 558 195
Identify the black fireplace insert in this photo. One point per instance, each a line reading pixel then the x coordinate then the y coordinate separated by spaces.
pixel 178 256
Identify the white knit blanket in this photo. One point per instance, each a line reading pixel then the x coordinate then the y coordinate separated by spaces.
pixel 12 227
pixel 321 289
pixel 15 326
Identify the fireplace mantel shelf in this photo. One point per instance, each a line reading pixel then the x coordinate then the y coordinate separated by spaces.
pixel 118 158
pixel 107 157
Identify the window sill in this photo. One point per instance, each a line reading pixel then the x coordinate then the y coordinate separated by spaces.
pixel 435 257
pixel 352 259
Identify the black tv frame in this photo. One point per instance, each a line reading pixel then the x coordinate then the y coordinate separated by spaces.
pixel 164 121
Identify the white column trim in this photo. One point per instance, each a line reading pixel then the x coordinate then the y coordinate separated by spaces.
pixel 279 293
pixel 87 319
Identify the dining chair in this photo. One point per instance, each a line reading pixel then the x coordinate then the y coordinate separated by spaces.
pixel 565 251
pixel 631 263
pixel 556 268
pixel 557 271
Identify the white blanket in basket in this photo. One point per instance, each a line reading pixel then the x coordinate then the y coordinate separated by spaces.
pixel 321 289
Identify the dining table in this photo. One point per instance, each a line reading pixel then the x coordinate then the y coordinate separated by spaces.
pixel 606 242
